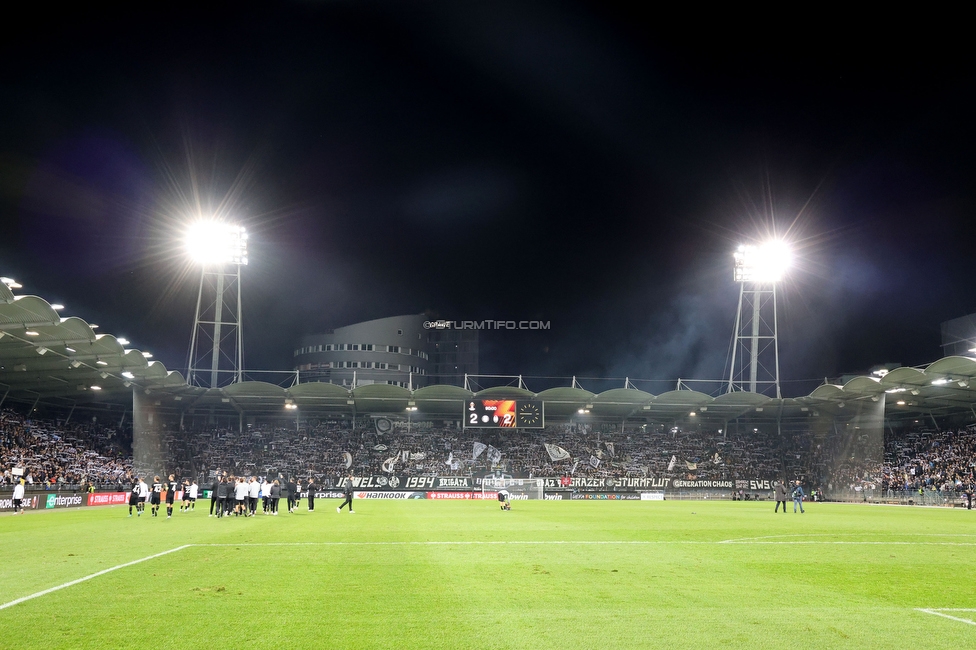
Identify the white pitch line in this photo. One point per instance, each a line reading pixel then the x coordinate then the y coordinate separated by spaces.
pixel 762 539
pixel 857 543
pixel 89 577
pixel 938 612
pixel 460 543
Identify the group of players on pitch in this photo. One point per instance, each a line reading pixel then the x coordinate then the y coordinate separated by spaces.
pixel 141 493
pixel 229 495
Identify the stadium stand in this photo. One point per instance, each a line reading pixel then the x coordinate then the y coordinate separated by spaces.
pixel 59 455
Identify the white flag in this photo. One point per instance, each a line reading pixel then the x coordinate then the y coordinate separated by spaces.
pixel 674 461
pixel 450 459
pixel 479 447
pixel 494 455
pixel 388 464
pixel 556 452
pixel 609 446
pixel 348 458
pixel 691 465
pixel 594 462
pixel 418 456
pixel 404 456
pixel 575 465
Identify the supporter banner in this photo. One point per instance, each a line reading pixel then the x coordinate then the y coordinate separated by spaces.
pixel 29 502
pixel 414 482
pixel 597 484
pixel 584 484
pixel 683 485
pixel 108 498
pixel 652 496
pixel 604 496
pixel 754 484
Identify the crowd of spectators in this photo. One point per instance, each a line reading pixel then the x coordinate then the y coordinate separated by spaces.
pixel 886 464
pixel 320 449
pixel 55 454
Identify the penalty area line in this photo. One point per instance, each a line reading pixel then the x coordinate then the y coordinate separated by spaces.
pixel 89 577
pixel 939 612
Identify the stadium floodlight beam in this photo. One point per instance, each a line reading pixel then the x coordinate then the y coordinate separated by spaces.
pixel 757 269
pixel 220 249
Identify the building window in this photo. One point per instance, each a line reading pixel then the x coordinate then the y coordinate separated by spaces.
pixel 367 347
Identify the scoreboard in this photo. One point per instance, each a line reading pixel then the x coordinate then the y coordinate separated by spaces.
pixel 503 414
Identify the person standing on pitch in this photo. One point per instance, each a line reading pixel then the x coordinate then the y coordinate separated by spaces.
pixel 185 506
pixel 253 492
pixel 798 497
pixel 275 496
pixel 222 489
pixel 134 497
pixel 347 490
pixel 157 491
pixel 171 488
pixel 266 496
pixel 780 491
pixel 214 489
pixel 143 495
pixel 291 494
pixel 18 499
pixel 311 494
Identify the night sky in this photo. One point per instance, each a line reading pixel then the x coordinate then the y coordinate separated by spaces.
pixel 585 165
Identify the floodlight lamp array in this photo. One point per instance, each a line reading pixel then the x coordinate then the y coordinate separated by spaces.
pixel 217 243
pixel 766 263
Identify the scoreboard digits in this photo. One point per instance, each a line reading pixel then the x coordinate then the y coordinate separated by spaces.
pixel 503 414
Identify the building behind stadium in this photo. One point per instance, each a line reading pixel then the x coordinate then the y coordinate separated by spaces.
pixel 397 350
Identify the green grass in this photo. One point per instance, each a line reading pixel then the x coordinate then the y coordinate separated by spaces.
pixel 839 576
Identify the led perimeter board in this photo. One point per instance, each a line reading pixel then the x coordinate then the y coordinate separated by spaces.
pixel 504 414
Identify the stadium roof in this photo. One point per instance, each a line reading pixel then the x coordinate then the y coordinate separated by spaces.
pixel 54 360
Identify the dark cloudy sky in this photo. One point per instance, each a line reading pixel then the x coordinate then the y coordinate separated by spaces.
pixel 585 164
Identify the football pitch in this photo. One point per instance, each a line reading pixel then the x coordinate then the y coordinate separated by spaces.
pixel 434 574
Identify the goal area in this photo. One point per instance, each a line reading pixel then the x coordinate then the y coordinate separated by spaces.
pixel 519 488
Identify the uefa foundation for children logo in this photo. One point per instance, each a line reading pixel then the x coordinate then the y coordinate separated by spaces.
pixel 487 325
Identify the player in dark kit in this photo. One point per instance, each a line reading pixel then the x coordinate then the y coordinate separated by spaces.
pixel 157 490
pixel 185 506
pixel 311 495
pixel 134 497
pixel 171 489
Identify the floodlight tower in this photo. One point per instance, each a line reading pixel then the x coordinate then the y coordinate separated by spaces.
pixel 220 248
pixel 754 364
